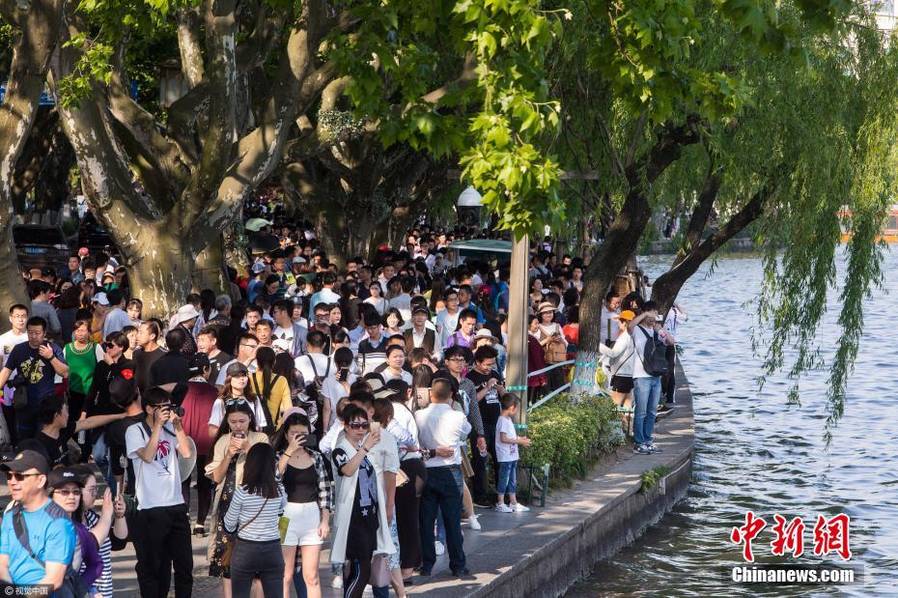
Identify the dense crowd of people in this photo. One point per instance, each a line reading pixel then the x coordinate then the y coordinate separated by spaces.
pixel 360 406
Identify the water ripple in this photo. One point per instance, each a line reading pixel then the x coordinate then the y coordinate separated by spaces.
pixel 753 451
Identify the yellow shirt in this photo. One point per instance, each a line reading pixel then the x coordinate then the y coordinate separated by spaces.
pixel 279 399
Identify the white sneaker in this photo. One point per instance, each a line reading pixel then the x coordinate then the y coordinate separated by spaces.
pixel 519 508
pixel 472 521
pixel 337 582
pixel 503 508
pixel 439 548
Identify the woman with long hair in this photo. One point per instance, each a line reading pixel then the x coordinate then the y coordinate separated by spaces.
pixel 360 521
pixel 400 422
pixel 271 388
pixel 235 387
pixel 336 386
pixel 226 468
pixel 252 516
pixel 310 500
pixel 435 293
pixel 422 378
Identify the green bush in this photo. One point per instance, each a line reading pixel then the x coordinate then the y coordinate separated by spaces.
pixel 571 432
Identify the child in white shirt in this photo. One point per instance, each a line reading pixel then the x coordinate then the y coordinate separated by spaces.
pixel 507 442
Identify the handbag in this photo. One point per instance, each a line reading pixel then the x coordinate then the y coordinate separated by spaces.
pixel 555 351
pixel 283 526
pixel 380 571
pixel 230 540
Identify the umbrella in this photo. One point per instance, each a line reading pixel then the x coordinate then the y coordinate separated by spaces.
pixel 256 224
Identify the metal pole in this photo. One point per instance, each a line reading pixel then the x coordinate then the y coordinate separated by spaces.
pixel 516 368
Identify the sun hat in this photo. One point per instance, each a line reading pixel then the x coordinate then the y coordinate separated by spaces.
pixel 185 313
pixel 546 306
pixel 485 333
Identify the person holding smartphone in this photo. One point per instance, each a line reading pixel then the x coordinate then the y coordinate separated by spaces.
pixel 232 443
pixel 161 525
pixel 310 501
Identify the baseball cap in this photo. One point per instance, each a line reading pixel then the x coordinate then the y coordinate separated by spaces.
pixel 299 260
pixel 626 315
pixel 197 363
pixel 101 299
pixel 421 310
pixel 65 475
pixel 25 460
pixel 258 268
pixel 237 369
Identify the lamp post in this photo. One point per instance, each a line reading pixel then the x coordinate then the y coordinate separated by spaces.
pixel 516 368
pixel 469 207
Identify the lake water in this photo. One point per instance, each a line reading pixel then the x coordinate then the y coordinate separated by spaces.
pixel 755 452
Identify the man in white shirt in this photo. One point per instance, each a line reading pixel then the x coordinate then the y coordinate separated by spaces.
pixel 287 333
pixel 447 320
pixel 442 431
pixel 326 294
pixel 403 300
pixel 162 522
pixel 315 363
pixel 18 316
pixel 247 345
pixel 117 318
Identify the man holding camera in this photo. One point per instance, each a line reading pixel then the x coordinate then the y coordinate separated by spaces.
pixel 37 361
pixel 161 525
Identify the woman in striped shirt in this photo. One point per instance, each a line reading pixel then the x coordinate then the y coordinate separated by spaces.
pixel 253 517
pixel 109 527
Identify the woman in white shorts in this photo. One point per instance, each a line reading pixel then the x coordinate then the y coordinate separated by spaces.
pixel 310 500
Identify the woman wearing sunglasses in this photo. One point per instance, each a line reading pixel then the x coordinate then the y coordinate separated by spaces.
pixel 66 485
pixel 361 508
pixel 236 388
pixel 232 443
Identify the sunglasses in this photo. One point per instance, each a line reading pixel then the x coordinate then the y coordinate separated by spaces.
pixel 19 477
pixel 66 492
pixel 359 425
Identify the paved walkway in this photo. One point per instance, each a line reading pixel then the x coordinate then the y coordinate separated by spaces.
pixel 507 540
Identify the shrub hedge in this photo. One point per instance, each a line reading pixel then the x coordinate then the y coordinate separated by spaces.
pixel 571 432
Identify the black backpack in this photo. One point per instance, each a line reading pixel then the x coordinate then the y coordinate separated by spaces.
pixel 654 354
pixel 72 585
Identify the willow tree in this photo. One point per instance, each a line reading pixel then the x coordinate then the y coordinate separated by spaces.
pixel 168 180
pixel 777 130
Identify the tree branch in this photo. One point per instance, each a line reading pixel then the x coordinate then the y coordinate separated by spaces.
pixel 467 76
pixel 702 211
pixel 668 285
pixel 189 46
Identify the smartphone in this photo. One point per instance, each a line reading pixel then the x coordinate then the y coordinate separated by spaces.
pixel 240 435
pixel 375 427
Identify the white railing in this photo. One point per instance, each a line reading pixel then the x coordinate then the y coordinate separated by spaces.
pixel 555 392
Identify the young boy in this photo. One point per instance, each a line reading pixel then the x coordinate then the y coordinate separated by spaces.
pixel 507 442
